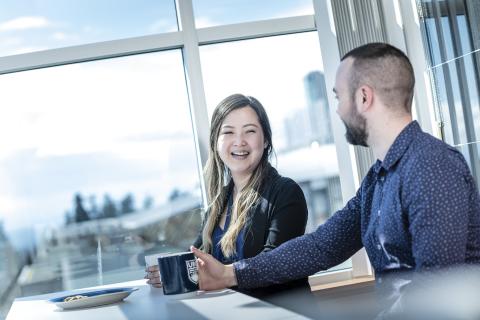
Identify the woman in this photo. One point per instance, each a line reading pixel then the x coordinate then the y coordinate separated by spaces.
pixel 251 207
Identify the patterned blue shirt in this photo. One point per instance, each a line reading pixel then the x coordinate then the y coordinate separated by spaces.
pixel 418 209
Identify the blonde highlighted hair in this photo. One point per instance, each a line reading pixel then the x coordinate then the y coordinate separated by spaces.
pixel 218 179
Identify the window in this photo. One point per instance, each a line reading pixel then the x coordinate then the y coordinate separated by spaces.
pixel 28 26
pixel 450 32
pixel 95 174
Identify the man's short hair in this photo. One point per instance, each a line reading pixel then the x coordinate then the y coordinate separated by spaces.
pixel 387 70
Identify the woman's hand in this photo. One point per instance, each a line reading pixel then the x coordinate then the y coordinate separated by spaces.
pixel 213 275
pixel 153 275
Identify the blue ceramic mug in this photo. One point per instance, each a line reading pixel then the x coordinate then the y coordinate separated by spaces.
pixel 179 273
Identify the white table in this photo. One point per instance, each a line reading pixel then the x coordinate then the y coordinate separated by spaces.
pixel 150 303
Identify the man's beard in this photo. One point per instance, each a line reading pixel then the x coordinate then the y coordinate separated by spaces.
pixel 356 130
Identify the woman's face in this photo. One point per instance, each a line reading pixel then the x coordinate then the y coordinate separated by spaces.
pixel 241 142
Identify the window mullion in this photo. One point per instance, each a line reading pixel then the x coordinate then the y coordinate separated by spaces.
pixel 348 172
pixel 196 91
pixel 90 52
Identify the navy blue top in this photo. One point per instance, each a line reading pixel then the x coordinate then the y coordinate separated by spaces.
pixel 218 233
pixel 418 209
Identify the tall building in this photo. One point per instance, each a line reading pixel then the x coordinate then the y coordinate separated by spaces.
pixel 311 123
pixel 317 108
pixel 297 132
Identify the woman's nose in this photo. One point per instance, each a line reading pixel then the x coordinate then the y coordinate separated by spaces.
pixel 240 140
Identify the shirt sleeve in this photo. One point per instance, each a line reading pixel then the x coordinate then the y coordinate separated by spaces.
pixel 332 243
pixel 289 217
pixel 439 193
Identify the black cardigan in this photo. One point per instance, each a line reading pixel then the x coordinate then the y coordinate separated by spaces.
pixel 279 215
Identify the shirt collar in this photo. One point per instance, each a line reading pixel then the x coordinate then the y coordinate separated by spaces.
pixel 399 146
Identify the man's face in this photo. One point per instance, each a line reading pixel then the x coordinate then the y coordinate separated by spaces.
pixel 355 124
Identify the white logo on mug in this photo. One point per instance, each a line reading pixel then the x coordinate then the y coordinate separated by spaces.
pixel 192 270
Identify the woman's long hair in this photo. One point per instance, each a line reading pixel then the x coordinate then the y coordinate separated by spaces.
pixel 217 176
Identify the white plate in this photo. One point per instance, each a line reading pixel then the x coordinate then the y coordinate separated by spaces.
pixel 93 298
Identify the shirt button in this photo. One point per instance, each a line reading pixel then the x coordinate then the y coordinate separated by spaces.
pixel 379 247
pixel 378 213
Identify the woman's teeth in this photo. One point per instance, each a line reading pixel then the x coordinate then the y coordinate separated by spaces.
pixel 242 154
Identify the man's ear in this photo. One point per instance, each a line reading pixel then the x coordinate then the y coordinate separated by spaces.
pixel 365 99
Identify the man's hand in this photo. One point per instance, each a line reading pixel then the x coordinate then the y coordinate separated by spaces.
pixel 213 275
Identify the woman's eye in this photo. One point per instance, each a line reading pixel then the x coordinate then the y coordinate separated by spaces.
pixel 250 131
pixel 227 132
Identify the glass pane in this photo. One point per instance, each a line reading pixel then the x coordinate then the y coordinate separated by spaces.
pixel 457 92
pixel 448 27
pixel 286 74
pixel 210 13
pixel 452 42
pixel 95 174
pixel 27 26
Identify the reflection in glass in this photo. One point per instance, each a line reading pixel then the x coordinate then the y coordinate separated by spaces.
pixel 451 39
pixel 94 173
pixel 209 13
pixel 285 74
pixel 28 26
pixel 459 108
pixel 447 27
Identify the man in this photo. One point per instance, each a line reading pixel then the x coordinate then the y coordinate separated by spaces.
pixel 417 209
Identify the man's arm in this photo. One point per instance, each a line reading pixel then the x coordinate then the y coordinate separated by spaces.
pixel 332 243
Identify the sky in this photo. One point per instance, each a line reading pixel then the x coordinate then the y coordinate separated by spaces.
pixel 33 25
pixel 123 125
